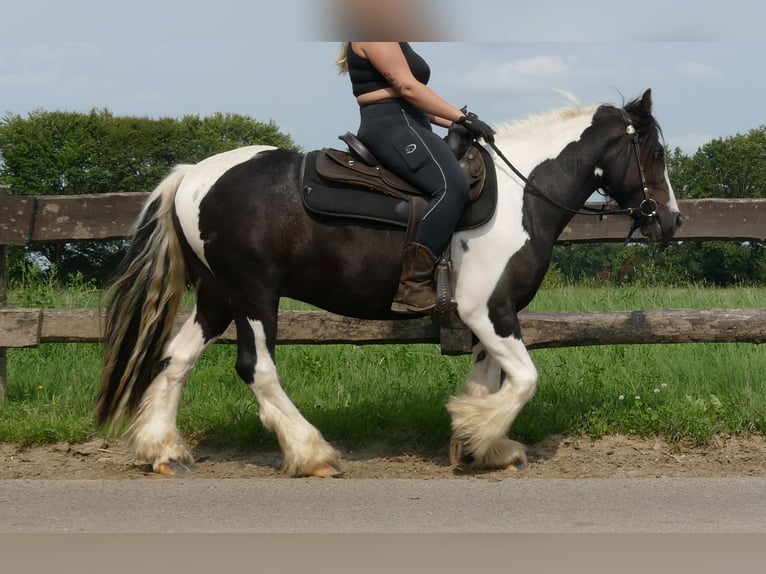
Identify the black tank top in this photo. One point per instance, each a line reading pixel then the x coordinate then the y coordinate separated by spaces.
pixel 365 78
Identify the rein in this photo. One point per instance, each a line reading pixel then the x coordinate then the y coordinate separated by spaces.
pixel 647 208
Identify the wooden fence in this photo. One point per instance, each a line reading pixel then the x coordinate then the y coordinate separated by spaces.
pixel 40 219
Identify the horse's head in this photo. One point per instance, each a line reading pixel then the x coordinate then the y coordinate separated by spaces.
pixel 634 173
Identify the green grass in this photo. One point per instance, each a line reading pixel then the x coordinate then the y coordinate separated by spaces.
pixel 395 395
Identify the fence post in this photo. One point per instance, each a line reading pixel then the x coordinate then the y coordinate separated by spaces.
pixel 3 351
pixel 3 300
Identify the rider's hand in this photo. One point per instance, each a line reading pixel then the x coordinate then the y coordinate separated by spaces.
pixel 478 128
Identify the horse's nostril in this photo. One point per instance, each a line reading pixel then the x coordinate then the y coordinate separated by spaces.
pixel 679 220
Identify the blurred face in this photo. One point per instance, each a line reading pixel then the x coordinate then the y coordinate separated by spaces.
pixel 387 20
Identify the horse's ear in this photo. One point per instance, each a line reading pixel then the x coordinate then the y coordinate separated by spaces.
pixel 645 107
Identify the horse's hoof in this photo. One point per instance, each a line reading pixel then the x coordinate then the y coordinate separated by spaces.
pixel 518 461
pixel 508 455
pixel 458 458
pixel 173 468
pixel 325 470
pixel 518 465
pixel 455 451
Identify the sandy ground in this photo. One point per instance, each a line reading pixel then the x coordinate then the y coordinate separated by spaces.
pixel 556 457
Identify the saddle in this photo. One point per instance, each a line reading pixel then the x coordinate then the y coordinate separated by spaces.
pixel 359 167
pixel 354 185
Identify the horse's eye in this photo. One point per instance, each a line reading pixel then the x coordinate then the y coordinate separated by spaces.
pixel 659 154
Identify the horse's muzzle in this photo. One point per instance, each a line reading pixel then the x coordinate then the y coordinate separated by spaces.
pixel 662 226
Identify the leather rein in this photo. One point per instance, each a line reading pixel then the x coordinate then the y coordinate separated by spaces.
pixel 647 208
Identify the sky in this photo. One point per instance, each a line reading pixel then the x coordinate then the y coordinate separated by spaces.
pixel 274 60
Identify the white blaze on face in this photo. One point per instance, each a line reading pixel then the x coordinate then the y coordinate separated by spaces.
pixel 672 203
pixel 196 185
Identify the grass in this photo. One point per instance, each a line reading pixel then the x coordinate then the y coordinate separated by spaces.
pixel 395 395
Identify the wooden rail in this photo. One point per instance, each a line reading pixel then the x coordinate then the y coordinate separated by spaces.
pixel 31 327
pixel 26 220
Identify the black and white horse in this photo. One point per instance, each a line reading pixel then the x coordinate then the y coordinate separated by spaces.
pixel 235 224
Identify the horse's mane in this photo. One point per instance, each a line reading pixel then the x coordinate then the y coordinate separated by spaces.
pixel 538 122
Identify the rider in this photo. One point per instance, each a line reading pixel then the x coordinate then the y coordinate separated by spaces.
pixel 397 108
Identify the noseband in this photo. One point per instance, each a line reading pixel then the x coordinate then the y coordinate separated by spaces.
pixel 645 211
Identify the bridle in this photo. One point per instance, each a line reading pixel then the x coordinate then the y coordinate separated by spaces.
pixel 647 208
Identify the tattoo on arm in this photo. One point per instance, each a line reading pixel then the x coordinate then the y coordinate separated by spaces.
pixel 394 84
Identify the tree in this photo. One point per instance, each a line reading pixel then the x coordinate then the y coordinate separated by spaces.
pixel 733 167
pixel 53 153
pixel 63 153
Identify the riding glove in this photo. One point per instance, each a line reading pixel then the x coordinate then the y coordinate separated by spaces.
pixel 478 128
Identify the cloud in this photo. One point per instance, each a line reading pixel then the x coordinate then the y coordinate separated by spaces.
pixel 698 71
pixel 518 76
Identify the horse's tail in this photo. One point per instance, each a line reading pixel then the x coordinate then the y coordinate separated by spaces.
pixel 143 302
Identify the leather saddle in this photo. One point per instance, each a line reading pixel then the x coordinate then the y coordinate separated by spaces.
pixel 354 185
pixel 358 166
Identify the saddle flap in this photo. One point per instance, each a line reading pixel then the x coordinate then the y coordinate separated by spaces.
pixel 341 166
pixel 472 164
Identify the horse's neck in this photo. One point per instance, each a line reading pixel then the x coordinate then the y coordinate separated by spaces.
pixel 568 177
pixel 548 138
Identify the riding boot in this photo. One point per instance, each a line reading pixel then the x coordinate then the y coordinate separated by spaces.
pixel 416 286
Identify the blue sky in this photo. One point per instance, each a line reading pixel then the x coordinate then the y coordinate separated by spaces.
pixel 705 65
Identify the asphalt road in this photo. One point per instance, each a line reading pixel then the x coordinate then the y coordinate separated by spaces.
pixel 731 505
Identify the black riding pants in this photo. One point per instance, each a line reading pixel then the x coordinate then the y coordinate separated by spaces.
pixel 400 136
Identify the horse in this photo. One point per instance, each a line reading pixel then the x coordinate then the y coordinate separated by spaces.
pixel 234 226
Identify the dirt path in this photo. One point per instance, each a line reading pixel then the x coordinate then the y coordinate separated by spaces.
pixel 557 457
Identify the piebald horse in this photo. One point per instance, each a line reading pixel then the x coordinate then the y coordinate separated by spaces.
pixel 234 224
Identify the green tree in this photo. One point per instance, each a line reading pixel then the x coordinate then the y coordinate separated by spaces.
pixel 62 153
pixel 53 153
pixel 733 167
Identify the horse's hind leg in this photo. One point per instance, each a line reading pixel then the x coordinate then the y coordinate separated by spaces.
pixel 305 451
pixel 153 433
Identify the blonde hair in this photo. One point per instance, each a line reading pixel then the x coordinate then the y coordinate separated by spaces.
pixel 342 60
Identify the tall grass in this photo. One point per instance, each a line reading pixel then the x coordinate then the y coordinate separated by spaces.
pixel 394 395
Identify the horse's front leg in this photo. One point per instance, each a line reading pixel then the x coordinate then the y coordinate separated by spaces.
pixel 502 380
